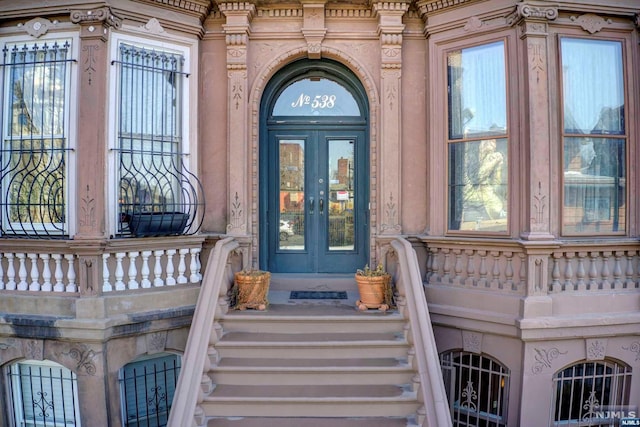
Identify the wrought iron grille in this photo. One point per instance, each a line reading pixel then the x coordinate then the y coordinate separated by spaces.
pixel 477 387
pixel 583 392
pixel 43 394
pixel 157 194
pixel 34 152
pixel 147 389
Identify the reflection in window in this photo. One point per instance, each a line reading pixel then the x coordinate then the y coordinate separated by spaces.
pixel 291 229
pixel 477 153
pixel 594 137
pixel 341 195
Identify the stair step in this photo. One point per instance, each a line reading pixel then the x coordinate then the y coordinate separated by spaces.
pixel 236 321
pixel 274 376
pixel 312 337
pixel 310 422
pixel 311 363
pixel 306 405
pixel 312 350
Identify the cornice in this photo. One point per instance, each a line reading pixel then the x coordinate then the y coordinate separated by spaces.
pixel 200 8
pixel 429 6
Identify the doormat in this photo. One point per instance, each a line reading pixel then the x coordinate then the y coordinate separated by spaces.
pixel 318 295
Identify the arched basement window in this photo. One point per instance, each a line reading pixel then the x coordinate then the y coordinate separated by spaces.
pixel 590 393
pixel 43 393
pixel 147 387
pixel 477 388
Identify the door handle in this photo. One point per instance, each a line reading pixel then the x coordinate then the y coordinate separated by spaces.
pixel 311 205
pixel 321 205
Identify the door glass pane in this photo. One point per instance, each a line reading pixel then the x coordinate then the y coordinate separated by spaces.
pixel 341 195
pixel 316 97
pixel 291 205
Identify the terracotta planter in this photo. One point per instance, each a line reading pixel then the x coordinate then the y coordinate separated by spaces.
pixel 374 292
pixel 252 290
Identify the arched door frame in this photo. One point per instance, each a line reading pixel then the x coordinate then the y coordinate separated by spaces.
pixel 291 72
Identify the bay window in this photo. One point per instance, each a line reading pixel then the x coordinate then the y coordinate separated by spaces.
pixel 477 139
pixel 594 137
pixel 35 137
pixel 157 194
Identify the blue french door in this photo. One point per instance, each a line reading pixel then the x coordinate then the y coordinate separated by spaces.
pixel 317 199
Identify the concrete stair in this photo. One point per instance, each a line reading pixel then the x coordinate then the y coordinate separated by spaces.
pixel 311 363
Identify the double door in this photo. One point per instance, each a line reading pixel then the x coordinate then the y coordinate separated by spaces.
pixel 317 207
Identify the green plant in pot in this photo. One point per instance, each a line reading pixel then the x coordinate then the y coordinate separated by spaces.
pixel 375 290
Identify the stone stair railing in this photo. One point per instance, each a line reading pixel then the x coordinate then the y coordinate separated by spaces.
pixel 194 382
pixel 413 305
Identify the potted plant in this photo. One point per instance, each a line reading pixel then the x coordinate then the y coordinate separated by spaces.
pixel 251 288
pixel 375 288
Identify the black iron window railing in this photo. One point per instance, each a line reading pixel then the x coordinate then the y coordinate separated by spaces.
pixel 35 145
pixel 147 388
pixel 157 194
pixel 43 394
pixel 591 393
pixel 477 387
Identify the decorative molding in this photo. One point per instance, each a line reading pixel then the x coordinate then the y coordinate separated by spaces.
pixel 84 358
pixel 427 6
pixel 634 347
pixel 596 349
pixel 237 215
pixel 590 22
pixel 200 7
pixel 33 349
pixel 153 26
pixel 473 24
pixel 390 213
pixel 100 15
pixel 9 343
pixel 544 358
pixel 156 342
pixel 313 28
pixel 38 26
pixel 88 203
pixel 532 12
pixel 539 199
pixel 472 342
pixel 279 13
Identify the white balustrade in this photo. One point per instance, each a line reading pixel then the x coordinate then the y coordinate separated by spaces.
pixel 123 270
pixel 150 269
pixel 45 272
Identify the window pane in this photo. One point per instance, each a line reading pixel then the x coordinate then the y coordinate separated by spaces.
pixel 316 97
pixel 594 176
pixel 292 215
pixel 147 390
pixel 588 393
pixel 594 185
pixel 156 195
pixel 477 91
pixel 593 86
pixel 33 155
pixel 478 185
pixel 44 394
